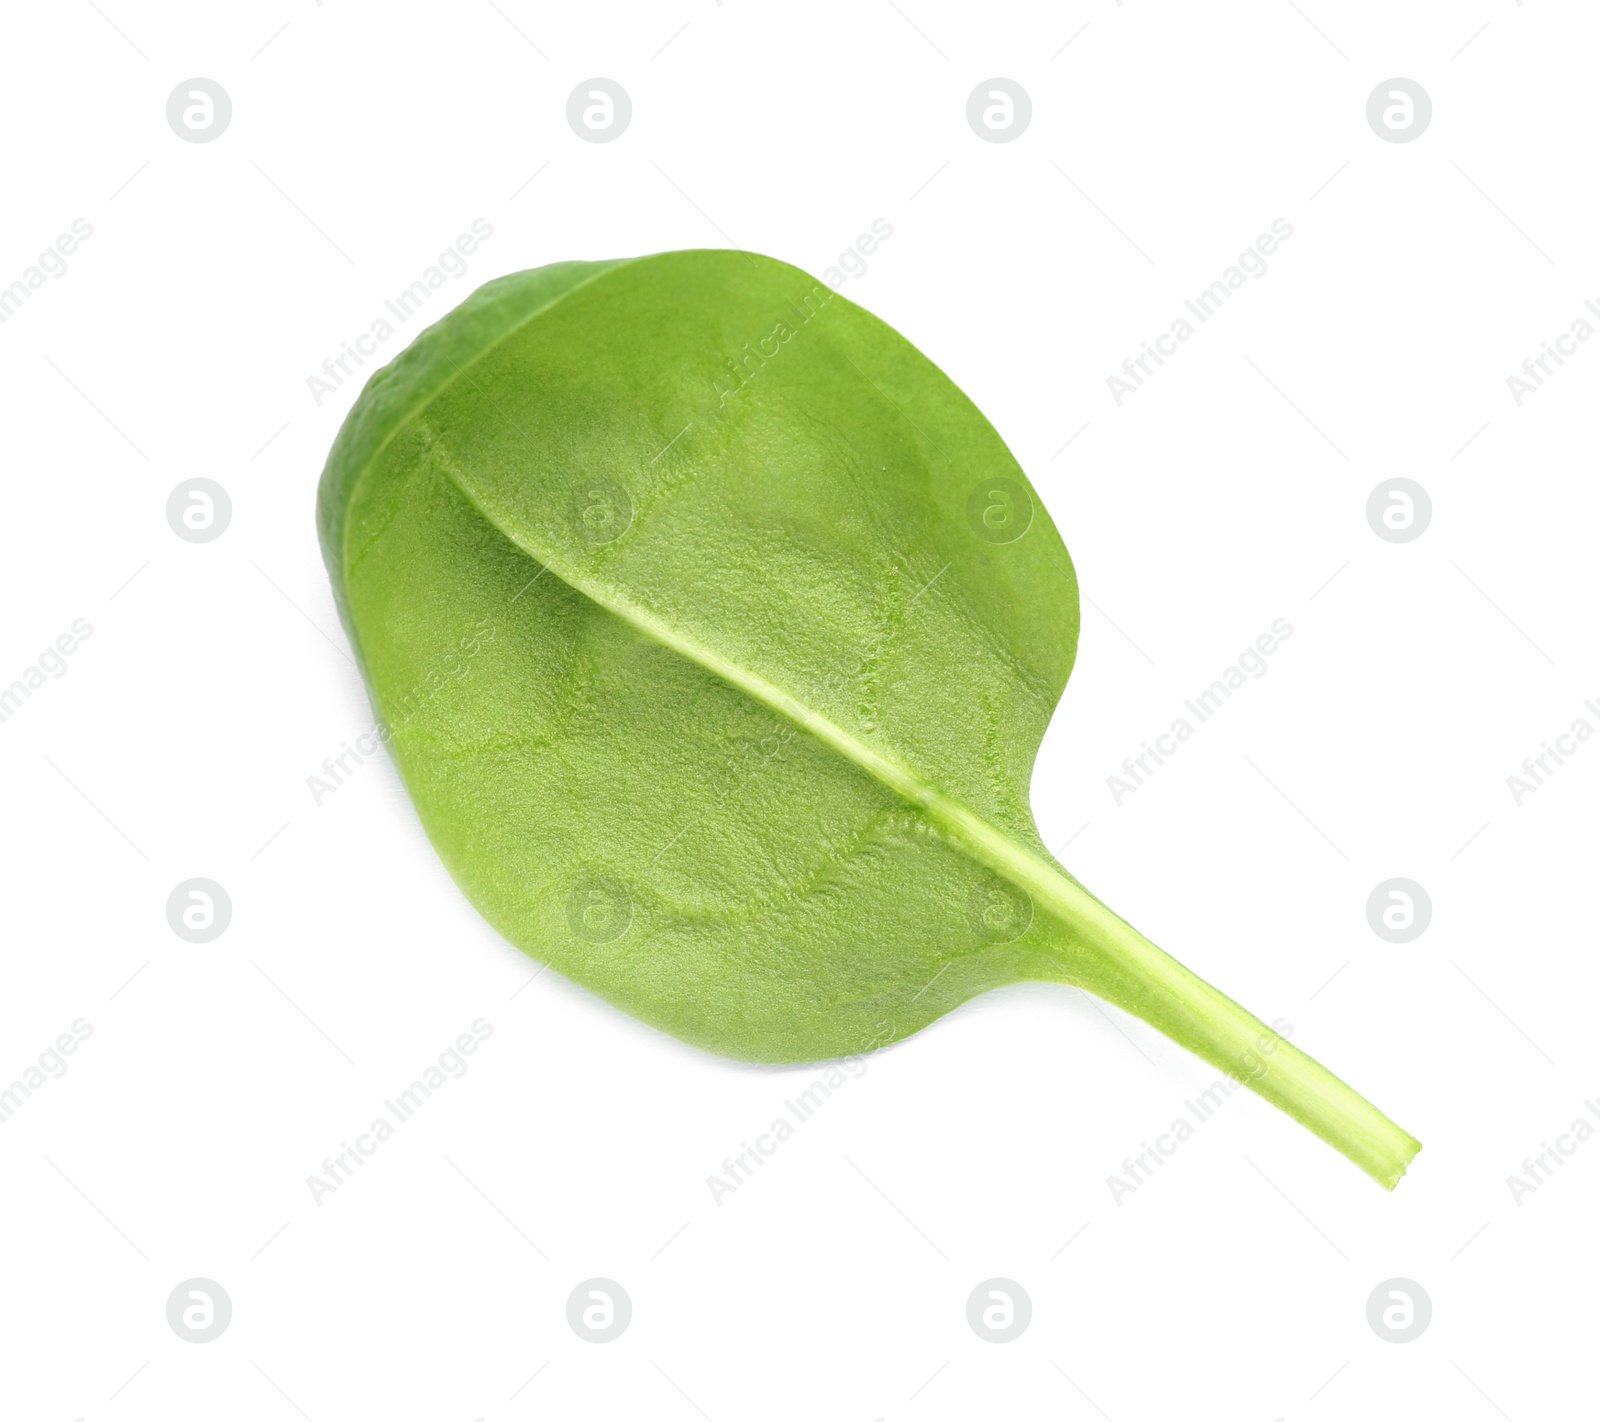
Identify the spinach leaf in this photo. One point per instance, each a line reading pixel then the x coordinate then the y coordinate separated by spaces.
pixel 714 632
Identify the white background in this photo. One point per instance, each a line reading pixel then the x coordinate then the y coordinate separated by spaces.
pixel 1226 493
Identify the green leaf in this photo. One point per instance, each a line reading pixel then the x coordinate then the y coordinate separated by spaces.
pixel 714 632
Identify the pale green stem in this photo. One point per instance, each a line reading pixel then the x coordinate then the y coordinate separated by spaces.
pixel 1115 961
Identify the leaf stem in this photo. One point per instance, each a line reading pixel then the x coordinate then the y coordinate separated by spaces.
pixel 1112 959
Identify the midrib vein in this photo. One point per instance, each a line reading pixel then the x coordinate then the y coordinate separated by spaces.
pixel 992 847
